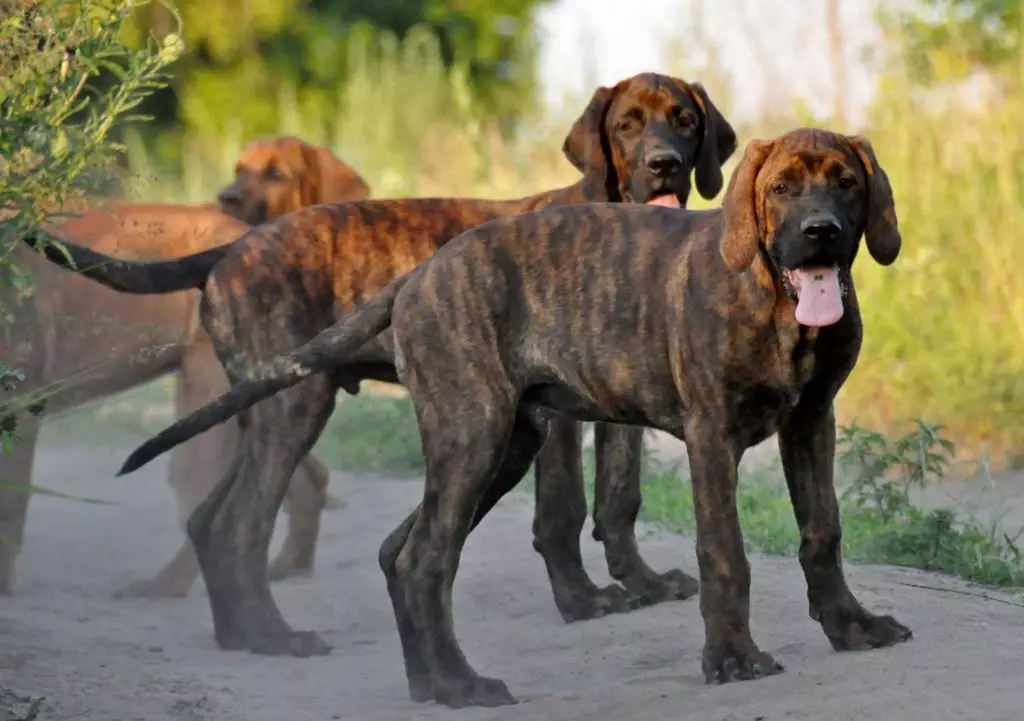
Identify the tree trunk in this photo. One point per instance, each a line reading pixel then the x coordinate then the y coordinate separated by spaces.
pixel 835 40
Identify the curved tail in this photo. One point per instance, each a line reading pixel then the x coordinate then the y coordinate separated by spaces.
pixel 323 353
pixel 129 276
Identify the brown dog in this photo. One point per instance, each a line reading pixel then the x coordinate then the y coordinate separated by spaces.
pixel 286 281
pixel 87 342
pixel 721 327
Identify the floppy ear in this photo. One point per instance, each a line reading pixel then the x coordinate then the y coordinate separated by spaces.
pixel 742 231
pixel 338 180
pixel 881 228
pixel 328 179
pixel 587 148
pixel 717 144
pixel 309 180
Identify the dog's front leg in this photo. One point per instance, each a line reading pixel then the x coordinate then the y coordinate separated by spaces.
pixel 730 653
pixel 807 445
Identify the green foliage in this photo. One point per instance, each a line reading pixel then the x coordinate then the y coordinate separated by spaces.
pixel 883 472
pixel 944 325
pixel 373 434
pixel 243 58
pixel 406 121
pixel 882 525
pixel 947 39
pixel 51 53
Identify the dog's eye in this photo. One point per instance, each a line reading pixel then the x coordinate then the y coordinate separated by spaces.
pixel 847 181
pixel 626 125
pixel 685 119
pixel 780 188
pixel 272 173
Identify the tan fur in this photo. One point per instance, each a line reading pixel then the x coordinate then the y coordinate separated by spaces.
pixel 95 342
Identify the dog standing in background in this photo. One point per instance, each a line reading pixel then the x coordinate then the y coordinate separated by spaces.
pixel 88 342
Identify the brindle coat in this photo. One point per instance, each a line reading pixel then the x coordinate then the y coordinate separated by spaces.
pixel 285 282
pixel 82 342
pixel 621 314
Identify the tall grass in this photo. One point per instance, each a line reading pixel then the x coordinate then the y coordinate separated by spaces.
pixel 944 325
pixel 407 124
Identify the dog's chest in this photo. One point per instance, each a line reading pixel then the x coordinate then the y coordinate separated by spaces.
pixel 762 404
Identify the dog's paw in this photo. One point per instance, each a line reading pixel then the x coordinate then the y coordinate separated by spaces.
pixel 726 666
pixel 862 631
pixel 673 585
pixel 597 603
pixel 299 644
pixel 472 691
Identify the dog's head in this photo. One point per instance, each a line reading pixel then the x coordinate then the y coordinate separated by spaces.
pixel 278 175
pixel 805 199
pixel 638 142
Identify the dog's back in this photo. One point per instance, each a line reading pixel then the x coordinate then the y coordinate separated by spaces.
pixel 552 292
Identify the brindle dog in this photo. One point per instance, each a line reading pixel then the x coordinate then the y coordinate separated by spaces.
pixel 283 283
pixel 721 327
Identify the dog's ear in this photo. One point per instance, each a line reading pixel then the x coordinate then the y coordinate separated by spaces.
pixel 587 147
pixel 717 144
pixel 328 179
pixel 881 228
pixel 742 231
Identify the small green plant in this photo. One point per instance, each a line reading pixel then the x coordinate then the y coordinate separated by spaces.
pixel 885 471
pixel 883 525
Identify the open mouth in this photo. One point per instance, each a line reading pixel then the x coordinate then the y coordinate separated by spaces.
pixel 666 199
pixel 818 292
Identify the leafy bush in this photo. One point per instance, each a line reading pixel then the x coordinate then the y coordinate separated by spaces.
pixel 55 128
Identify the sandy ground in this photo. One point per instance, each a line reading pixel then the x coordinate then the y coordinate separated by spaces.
pixel 99 659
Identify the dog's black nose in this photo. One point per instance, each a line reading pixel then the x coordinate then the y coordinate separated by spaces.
pixel 229 197
pixel 821 227
pixel 663 163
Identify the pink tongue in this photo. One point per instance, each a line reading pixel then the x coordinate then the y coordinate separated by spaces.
pixel 666 201
pixel 820 301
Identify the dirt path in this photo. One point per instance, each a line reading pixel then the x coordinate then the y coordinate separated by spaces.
pixel 104 660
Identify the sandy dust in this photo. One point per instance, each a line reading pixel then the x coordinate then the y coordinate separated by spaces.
pixel 96 658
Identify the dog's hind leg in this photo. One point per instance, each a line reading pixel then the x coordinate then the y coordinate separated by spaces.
pixel 232 528
pixel 304 501
pixel 617 502
pixel 561 510
pixel 470 465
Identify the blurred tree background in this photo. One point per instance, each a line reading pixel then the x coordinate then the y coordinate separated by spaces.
pixel 244 56
pixel 947 40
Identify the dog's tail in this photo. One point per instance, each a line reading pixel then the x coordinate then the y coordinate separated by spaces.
pixel 128 276
pixel 323 353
